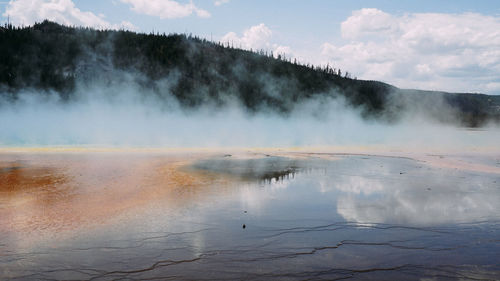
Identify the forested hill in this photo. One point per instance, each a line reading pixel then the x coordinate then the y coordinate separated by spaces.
pixel 49 57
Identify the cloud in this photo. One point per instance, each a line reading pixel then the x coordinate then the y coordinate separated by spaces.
pixel 221 2
pixel 166 9
pixel 454 52
pixel 257 37
pixel 27 12
pixel 282 50
pixel 367 22
pixel 409 203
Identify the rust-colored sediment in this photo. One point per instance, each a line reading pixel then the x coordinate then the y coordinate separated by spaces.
pixel 51 193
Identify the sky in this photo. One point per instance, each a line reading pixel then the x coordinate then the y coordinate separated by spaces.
pixel 434 45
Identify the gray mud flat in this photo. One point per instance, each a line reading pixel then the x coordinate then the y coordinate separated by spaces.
pixel 353 217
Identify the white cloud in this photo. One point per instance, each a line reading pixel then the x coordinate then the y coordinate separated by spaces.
pixel 282 50
pixel 127 26
pixel 257 37
pixel 166 9
pixel 221 2
pixel 453 52
pixel 367 22
pixel 27 12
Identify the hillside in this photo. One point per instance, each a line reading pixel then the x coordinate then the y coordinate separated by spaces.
pixel 49 57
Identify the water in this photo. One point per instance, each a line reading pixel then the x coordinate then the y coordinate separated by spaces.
pixel 318 216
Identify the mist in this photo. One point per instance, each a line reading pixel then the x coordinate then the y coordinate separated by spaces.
pixel 125 114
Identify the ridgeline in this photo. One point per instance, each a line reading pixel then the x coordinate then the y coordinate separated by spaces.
pixel 52 58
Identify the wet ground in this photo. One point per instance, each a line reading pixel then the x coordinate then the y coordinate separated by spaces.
pixel 219 216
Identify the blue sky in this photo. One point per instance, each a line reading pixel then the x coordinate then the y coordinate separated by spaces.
pixel 440 45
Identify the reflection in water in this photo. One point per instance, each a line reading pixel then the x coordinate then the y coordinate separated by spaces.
pixel 113 216
pixel 409 193
pixel 264 169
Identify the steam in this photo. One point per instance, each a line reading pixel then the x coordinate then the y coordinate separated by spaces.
pixel 127 114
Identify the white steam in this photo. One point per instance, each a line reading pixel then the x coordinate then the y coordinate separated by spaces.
pixel 124 114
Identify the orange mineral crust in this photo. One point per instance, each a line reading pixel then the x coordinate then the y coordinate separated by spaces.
pixel 51 193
